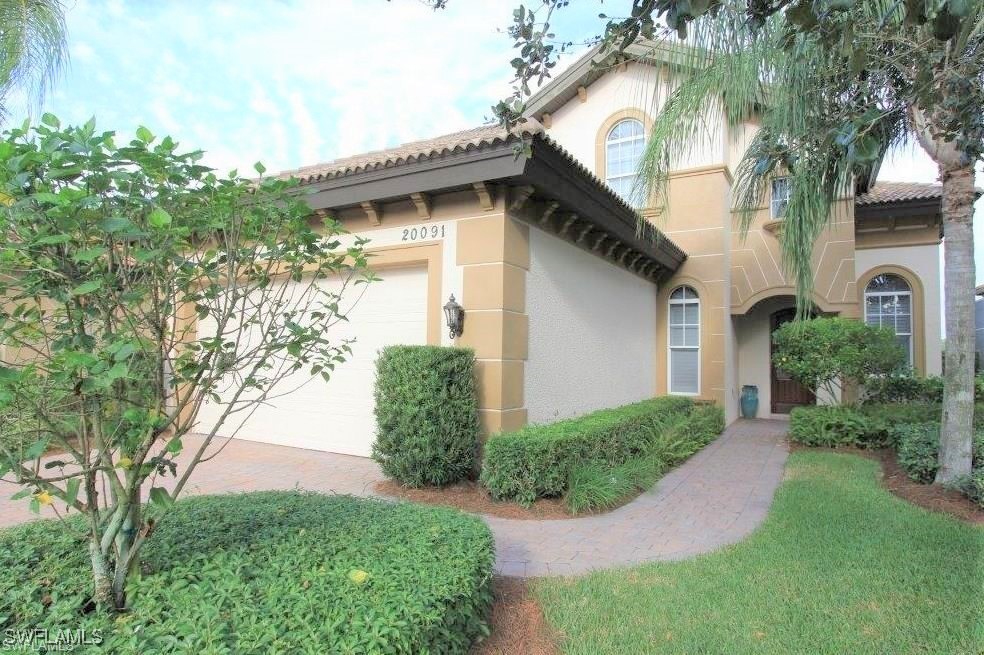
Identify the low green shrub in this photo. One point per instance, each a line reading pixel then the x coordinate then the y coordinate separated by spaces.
pixel 918 447
pixel 594 486
pixel 426 414
pixel 882 417
pixel 830 426
pixel 903 388
pixel 972 486
pixel 537 461
pixel 268 572
pixel 908 387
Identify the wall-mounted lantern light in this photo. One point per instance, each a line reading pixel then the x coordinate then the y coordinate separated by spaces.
pixel 455 315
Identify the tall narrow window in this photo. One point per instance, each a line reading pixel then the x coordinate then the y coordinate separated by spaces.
pixel 623 152
pixel 888 303
pixel 780 196
pixel 684 322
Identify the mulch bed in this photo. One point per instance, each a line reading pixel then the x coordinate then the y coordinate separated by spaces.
pixel 928 496
pixel 472 497
pixel 518 624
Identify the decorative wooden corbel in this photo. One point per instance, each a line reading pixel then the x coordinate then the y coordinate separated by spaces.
pixel 373 211
pixel 547 213
pixel 600 241
pixel 567 224
pixel 546 120
pixel 484 195
pixel 518 195
pixel 582 94
pixel 422 202
pixel 587 230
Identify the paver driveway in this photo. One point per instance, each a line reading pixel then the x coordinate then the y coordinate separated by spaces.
pixel 716 498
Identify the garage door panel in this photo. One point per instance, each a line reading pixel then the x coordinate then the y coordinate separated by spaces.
pixel 337 416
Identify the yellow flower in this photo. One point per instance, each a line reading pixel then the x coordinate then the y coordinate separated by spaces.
pixel 124 463
pixel 358 576
pixel 44 498
pixel 6 200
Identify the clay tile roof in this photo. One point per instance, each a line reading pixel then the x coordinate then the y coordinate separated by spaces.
pixel 470 139
pixel 886 192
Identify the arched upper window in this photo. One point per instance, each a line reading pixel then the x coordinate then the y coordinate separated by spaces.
pixel 623 152
pixel 684 341
pixel 888 303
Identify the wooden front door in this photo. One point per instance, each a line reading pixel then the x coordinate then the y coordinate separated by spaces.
pixel 786 392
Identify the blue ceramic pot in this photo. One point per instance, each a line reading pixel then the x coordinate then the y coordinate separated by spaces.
pixel 749 401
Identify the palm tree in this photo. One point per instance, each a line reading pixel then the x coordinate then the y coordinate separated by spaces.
pixel 830 101
pixel 834 84
pixel 33 47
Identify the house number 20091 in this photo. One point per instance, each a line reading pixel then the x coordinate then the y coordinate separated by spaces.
pixel 424 233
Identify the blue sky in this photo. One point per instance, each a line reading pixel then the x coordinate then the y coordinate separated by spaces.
pixel 295 82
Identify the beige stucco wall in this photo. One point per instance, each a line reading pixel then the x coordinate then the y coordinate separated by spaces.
pixel 480 255
pixel 644 88
pixel 699 222
pixel 591 327
pixel 923 262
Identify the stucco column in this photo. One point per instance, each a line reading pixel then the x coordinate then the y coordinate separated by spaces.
pixel 494 254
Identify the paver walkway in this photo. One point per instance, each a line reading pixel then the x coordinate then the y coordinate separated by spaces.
pixel 716 498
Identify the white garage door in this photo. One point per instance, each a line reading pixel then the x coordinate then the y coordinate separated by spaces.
pixel 337 416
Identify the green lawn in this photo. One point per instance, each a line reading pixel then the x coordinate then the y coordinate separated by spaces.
pixel 840 566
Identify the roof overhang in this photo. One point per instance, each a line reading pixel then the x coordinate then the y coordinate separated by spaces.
pixel 545 186
pixel 899 215
pixel 593 64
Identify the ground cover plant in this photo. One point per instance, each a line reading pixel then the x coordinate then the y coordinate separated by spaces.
pixel 839 566
pixel 268 572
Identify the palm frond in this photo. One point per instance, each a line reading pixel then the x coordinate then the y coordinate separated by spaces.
pixel 33 49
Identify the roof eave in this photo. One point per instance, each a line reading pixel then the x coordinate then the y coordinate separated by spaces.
pixel 547 170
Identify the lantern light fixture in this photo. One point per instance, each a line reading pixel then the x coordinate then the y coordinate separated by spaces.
pixel 455 315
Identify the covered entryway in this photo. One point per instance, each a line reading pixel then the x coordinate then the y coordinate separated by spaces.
pixel 778 394
pixel 337 416
pixel 786 393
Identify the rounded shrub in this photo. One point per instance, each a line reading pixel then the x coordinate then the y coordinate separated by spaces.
pixel 267 572
pixel 427 430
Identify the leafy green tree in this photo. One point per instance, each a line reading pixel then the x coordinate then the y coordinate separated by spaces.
pixel 833 85
pixel 126 272
pixel 33 47
pixel 825 354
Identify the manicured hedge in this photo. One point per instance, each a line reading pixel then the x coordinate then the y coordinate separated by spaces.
pixel 594 486
pixel 269 572
pixel 537 461
pixel 426 414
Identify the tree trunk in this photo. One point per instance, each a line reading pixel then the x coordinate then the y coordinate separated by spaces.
pixel 127 560
pixel 102 581
pixel 956 434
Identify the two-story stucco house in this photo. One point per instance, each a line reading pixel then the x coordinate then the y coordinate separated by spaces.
pixel 570 309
